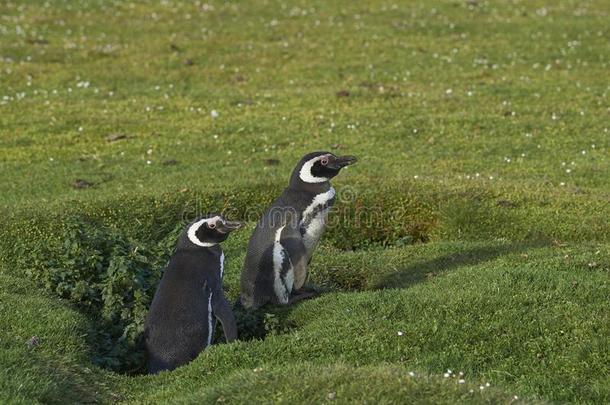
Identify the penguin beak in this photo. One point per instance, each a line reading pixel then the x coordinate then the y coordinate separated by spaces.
pixel 228 226
pixel 342 161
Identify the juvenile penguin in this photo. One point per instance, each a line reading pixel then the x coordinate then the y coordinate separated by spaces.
pixel 285 238
pixel 189 298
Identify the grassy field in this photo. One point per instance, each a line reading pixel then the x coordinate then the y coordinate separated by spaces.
pixel 472 236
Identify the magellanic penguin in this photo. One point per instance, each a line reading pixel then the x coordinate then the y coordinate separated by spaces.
pixel 189 298
pixel 285 238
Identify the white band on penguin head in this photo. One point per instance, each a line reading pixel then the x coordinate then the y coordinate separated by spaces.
pixel 306 175
pixel 192 232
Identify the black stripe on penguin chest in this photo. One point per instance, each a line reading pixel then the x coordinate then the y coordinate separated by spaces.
pixel 308 218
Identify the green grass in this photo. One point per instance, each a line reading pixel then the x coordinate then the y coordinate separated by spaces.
pixel 475 223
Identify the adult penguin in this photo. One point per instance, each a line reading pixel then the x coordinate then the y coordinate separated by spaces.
pixel 189 298
pixel 285 238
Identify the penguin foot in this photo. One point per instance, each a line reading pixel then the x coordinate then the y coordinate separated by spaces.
pixel 308 289
pixel 301 295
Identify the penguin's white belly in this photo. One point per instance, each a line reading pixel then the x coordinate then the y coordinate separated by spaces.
pixel 314 231
pixel 314 220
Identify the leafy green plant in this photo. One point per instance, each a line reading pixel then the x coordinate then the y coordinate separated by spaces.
pixel 110 276
pixel 266 321
pixel 275 325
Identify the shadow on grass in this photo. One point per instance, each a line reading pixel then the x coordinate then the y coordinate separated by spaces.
pixel 424 270
pixel 275 320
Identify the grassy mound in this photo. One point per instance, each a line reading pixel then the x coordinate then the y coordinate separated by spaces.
pixel 45 357
pixel 307 383
pixel 529 319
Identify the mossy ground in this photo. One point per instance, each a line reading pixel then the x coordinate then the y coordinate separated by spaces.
pixel 475 224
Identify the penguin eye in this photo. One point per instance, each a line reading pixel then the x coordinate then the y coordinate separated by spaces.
pixel 324 161
pixel 212 225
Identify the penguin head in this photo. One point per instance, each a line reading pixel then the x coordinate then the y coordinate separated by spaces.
pixel 210 230
pixel 319 167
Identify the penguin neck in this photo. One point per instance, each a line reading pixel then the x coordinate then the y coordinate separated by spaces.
pixel 186 245
pixel 298 185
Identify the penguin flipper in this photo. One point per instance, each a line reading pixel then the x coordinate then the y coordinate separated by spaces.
pixel 292 241
pixel 223 312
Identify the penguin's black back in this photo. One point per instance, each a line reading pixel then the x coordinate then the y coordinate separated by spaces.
pixel 177 326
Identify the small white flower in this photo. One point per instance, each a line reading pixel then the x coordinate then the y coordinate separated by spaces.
pixel 214 114
pixel 416 176
pixel 148 162
pixel 562 184
pixel 446 375
pixel 411 374
pixel 448 91
pixel 482 387
pixel 487 384
pixel 568 170
pixel 461 381
pixel 400 333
